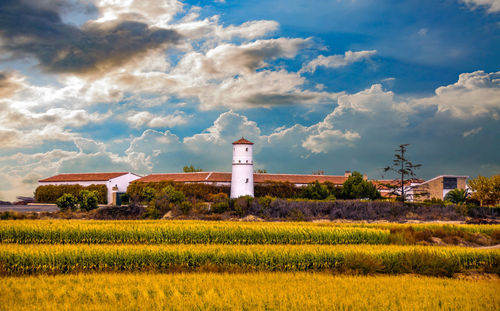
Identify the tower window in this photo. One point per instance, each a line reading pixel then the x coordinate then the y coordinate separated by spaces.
pixel 247 161
pixel 246 181
pixel 239 161
pixel 246 149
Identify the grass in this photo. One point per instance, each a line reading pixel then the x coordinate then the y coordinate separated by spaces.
pixel 20 259
pixel 256 291
pixel 193 232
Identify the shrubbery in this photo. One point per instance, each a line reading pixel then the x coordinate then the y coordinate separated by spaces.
pixel 165 200
pixel 67 201
pixel 50 193
pixel 88 200
pixel 355 187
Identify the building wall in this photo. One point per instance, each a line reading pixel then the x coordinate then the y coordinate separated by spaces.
pixel 121 182
pixel 434 189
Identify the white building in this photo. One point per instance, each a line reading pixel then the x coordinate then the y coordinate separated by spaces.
pixel 242 172
pixel 116 183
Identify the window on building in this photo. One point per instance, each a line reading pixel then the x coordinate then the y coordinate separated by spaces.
pixel 247 161
pixel 246 181
pixel 246 149
pixel 449 183
pixel 239 161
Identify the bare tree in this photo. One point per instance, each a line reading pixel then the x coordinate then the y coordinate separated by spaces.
pixel 403 167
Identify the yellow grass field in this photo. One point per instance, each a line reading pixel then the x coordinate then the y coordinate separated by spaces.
pixel 252 291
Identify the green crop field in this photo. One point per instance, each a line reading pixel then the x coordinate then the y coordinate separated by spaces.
pixel 131 265
pixel 29 259
pixel 200 232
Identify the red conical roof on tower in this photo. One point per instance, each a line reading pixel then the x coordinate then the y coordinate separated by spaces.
pixel 242 141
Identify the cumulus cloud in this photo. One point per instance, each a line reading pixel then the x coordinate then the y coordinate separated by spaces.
pixel 210 28
pixel 326 139
pixel 158 13
pixel 492 6
pixel 27 29
pixel 9 84
pixel 145 118
pixel 337 61
pixel 475 94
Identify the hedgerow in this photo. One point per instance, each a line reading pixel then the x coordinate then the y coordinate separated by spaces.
pixel 50 193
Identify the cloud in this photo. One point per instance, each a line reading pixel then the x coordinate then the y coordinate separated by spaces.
pixel 337 61
pixel 325 140
pixel 145 118
pixel 227 60
pixel 26 29
pixel 9 84
pixel 472 132
pixel 209 28
pixel 158 13
pixel 475 94
pixel 492 6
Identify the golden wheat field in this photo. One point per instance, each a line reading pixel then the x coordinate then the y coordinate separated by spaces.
pixel 199 265
pixel 250 291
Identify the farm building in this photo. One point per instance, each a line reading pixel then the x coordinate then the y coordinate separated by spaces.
pixel 437 187
pixel 116 183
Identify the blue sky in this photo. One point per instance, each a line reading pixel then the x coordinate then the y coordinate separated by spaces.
pixel 151 86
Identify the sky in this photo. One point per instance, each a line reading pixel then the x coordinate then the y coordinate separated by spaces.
pixel 149 86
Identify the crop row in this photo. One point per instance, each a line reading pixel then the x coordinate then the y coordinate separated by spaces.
pixel 248 291
pixel 199 232
pixel 18 259
pixel 55 232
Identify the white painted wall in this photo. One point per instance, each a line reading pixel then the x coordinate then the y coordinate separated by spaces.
pixel 121 182
pixel 242 172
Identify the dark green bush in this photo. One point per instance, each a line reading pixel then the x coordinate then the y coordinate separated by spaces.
pixel 315 191
pixel 355 187
pixel 67 201
pixel 88 200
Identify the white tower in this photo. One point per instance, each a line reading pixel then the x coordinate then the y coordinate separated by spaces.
pixel 242 174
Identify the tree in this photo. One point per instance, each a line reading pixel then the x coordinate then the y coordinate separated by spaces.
pixel 356 187
pixel 315 191
pixel 457 196
pixel 191 169
pixel 260 171
pixel 404 168
pixel 88 200
pixel 67 201
pixel 485 189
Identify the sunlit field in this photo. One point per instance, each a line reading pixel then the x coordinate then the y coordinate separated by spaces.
pixel 251 291
pixel 140 265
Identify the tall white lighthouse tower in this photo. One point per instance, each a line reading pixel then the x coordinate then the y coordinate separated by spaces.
pixel 242 174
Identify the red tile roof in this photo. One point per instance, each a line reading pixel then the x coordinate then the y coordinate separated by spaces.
pixel 83 177
pixel 181 177
pixel 226 177
pixel 298 179
pixel 242 141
